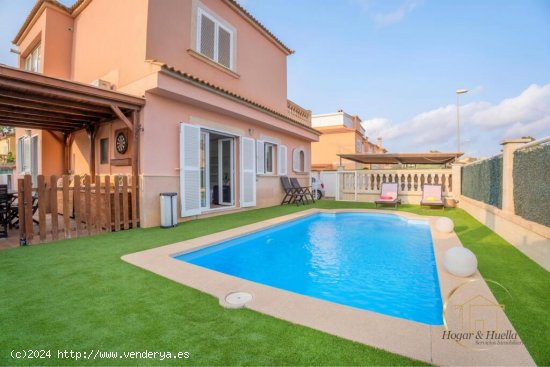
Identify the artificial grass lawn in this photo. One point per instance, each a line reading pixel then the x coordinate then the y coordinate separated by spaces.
pixel 78 295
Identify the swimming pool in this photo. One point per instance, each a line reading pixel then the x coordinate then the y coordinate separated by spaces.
pixel 377 262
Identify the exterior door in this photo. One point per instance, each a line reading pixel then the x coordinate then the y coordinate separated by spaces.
pixel 226 171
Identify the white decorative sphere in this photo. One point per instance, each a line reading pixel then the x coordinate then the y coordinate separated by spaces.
pixel 460 261
pixel 444 225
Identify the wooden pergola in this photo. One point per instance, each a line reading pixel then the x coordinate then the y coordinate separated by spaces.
pixel 36 101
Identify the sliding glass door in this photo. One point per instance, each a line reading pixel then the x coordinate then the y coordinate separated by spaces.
pixel 217 170
pixel 226 171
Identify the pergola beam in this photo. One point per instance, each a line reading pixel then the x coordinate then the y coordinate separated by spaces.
pixel 40 114
pixel 31 125
pixel 74 94
pixel 38 120
pixel 36 106
pixel 31 98
pixel 122 117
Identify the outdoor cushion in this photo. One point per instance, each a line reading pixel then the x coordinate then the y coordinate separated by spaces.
pixel 386 197
pixel 431 198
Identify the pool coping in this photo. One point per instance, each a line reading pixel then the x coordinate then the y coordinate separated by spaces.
pixel 409 338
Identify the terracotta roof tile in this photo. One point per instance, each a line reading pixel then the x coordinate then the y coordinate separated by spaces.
pixel 227 92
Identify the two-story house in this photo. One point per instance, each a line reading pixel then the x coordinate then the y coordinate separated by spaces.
pixel 342 133
pixel 216 126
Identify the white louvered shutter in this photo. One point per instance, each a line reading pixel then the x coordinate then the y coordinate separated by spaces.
pixel 260 157
pixel 27 160
pixel 306 161
pixel 282 160
pixel 296 160
pixel 190 170
pixel 248 172
pixel 224 47
pixel 207 36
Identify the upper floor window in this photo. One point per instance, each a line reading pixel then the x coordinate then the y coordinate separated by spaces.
pixel 214 40
pixel 32 62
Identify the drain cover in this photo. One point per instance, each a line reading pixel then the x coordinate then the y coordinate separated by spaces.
pixel 238 299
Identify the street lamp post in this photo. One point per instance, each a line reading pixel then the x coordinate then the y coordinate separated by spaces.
pixel 458 93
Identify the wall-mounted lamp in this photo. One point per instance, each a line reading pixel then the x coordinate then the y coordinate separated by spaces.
pixel 28 132
pixel 250 131
pixel 14 51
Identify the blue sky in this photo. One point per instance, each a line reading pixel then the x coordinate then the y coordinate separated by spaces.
pixel 397 63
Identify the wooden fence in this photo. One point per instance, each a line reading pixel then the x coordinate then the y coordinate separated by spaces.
pixel 73 206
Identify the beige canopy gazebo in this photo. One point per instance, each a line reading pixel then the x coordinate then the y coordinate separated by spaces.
pixel 403 158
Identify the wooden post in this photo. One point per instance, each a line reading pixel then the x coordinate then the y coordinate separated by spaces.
pixel 98 221
pixel 40 191
pixel 117 205
pixel 69 138
pixel 21 210
pixel 88 199
pixel 76 205
pixel 66 207
pixel 92 132
pixel 134 202
pixel 136 133
pixel 108 203
pixel 135 143
pixel 53 206
pixel 27 201
pixel 125 207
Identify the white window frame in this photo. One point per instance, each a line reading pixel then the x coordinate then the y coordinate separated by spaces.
pixel 217 25
pixel 32 61
pixel 300 160
pixel 273 147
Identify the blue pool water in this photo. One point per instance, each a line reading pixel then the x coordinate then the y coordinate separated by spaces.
pixel 376 262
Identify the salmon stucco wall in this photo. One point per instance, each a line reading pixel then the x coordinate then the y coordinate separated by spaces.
pixel 58 42
pixel 330 145
pixel 109 131
pixel 53 30
pixel 52 154
pixel 260 65
pixel 109 42
pixel 34 36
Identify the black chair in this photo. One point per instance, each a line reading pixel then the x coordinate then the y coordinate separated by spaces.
pixel 13 211
pixel 291 194
pixel 4 211
pixel 304 190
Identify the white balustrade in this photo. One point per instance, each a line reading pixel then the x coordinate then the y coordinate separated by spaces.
pixel 351 184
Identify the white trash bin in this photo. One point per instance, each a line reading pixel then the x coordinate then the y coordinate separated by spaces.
pixel 168 209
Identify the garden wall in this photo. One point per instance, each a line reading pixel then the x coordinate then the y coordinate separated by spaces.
pixel 509 193
pixel 483 181
pixel 531 180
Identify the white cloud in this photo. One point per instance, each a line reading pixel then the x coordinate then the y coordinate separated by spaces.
pixel 531 105
pixel 384 18
pixel 483 124
pixel 396 15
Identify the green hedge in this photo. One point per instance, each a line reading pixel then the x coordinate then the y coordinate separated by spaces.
pixel 483 181
pixel 532 184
